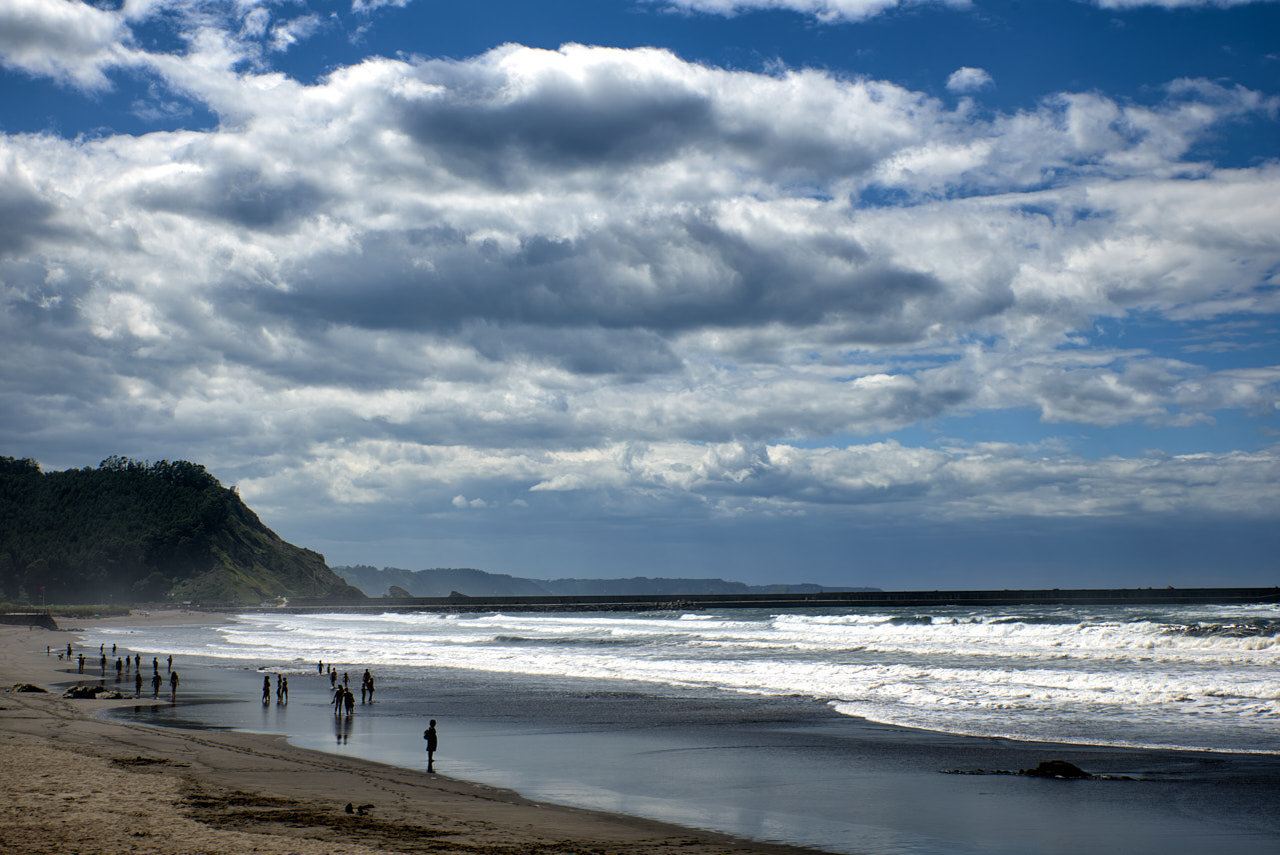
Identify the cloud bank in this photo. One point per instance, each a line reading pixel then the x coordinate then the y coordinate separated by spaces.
pixel 627 281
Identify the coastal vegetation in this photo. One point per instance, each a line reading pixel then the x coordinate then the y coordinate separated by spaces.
pixel 130 532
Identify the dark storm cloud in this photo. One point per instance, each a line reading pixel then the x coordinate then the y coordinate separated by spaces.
pixel 621 278
pixel 239 196
pixel 24 214
pixel 561 125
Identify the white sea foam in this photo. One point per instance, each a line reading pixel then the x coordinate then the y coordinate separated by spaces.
pixel 1190 676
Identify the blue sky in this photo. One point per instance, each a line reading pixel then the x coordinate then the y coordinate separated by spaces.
pixel 867 292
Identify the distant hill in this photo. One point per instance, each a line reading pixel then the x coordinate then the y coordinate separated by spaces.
pixel 441 582
pixel 129 532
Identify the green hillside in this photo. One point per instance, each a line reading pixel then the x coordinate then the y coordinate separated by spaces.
pixel 143 532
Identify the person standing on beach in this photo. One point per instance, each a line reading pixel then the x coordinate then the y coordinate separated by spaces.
pixel 119 669
pixel 137 684
pixel 430 736
pixel 284 690
pixel 102 663
pixel 137 661
pixel 68 650
pixel 339 695
pixel 170 661
pixel 155 685
pixel 348 700
pixel 81 663
pixel 173 685
pixel 266 688
pixel 155 665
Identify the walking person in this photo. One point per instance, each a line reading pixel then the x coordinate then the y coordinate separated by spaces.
pixel 284 690
pixel 430 736
pixel 155 684
pixel 266 689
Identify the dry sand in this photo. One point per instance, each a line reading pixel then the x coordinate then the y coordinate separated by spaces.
pixel 72 782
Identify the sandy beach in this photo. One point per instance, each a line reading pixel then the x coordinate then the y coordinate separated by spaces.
pixel 75 782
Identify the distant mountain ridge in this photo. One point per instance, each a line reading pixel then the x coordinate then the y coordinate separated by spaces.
pixel 129 532
pixel 441 582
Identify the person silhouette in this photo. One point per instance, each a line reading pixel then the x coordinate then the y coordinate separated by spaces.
pixel 173 685
pixel 430 736
pixel 266 689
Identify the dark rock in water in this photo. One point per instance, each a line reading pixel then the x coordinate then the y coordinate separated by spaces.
pixel 350 808
pixel 82 693
pixel 363 809
pixel 28 687
pixel 1056 769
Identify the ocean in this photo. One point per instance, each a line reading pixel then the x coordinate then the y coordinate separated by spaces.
pixel 815 727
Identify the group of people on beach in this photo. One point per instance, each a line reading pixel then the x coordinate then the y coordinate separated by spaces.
pixel 124 666
pixel 343 698
pixel 282 689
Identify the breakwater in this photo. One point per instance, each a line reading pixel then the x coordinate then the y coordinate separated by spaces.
pixel 40 618
pixel 458 603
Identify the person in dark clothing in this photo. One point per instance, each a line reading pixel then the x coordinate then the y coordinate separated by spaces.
pixel 430 736
pixel 137 684
pixel 173 685
pixel 266 689
pixel 348 700
pixel 155 685
pixel 284 690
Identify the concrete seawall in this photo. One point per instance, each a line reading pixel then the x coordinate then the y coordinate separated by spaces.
pixel 41 619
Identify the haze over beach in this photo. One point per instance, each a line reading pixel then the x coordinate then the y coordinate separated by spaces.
pixel 959 294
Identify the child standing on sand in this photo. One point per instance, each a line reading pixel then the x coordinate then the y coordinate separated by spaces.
pixel 430 736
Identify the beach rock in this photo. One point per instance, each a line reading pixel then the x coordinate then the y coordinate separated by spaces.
pixel 83 693
pixel 1056 769
pixel 363 809
pixel 28 687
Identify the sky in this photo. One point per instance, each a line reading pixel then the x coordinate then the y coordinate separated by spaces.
pixel 912 295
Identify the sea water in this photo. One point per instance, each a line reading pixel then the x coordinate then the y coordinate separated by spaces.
pixel 1185 677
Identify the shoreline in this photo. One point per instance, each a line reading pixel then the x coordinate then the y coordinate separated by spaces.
pixel 78 781
pixel 753 770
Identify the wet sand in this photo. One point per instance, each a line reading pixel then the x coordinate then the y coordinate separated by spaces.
pixel 75 782
pixel 785 769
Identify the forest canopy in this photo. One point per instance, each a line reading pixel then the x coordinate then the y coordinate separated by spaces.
pixel 131 531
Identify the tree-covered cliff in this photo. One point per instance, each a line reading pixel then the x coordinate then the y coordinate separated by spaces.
pixel 140 532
